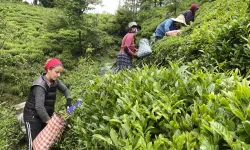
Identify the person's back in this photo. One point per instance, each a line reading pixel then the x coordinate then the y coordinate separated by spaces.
pixel 169 25
pixel 188 17
pixel 164 27
pixel 190 14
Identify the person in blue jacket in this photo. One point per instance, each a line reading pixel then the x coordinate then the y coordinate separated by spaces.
pixel 169 25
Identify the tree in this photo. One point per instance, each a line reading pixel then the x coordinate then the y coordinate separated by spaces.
pixel 122 18
pixel 173 5
pixel 146 4
pixel 74 10
pixel 46 3
pixel 132 5
pixel 76 7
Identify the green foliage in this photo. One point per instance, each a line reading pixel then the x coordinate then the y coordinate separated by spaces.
pixel 159 108
pixel 150 19
pixel 47 3
pixel 174 5
pixel 12 1
pixel 76 7
pixel 123 17
pixel 9 128
pixel 16 73
pixel 21 33
pixel 84 73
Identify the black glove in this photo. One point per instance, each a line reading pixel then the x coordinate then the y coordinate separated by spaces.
pixel 68 103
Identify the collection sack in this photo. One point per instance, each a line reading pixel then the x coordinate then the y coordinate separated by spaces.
pixel 50 134
pixel 144 48
pixel 53 130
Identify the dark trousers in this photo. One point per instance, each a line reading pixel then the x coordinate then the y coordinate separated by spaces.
pixel 158 38
pixel 33 128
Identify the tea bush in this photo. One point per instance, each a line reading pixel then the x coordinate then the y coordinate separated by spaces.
pixel 9 128
pixel 162 108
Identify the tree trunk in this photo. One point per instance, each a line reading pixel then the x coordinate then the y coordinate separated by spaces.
pixel 80 42
pixel 175 9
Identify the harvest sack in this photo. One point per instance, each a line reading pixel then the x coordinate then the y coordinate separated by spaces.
pixel 144 48
pixel 50 134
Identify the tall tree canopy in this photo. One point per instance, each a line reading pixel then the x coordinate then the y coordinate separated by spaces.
pixel 77 7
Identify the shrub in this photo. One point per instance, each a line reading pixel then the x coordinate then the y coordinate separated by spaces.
pixel 150 108
pixel 9 128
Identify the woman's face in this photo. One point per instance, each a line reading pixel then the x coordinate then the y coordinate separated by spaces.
pixel 178 24
pixel 54 73
pixel 134 29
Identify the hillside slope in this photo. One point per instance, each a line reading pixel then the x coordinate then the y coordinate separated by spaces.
pixel 218 37
pixel 29 35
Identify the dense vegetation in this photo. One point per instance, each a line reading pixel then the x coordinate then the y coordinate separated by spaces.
pixel 191 93
pixel 159 108
pixel 9 128
pixel 218 37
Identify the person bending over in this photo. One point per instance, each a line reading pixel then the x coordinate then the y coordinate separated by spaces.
pixel 172 24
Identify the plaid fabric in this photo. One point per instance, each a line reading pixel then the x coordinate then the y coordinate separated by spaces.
pixel 123 61
pixel 50 134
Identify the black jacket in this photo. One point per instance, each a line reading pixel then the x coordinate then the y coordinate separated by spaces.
pixel 50 97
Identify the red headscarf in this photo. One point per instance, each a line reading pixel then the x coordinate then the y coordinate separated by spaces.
pixel 194 7
pixel 52 63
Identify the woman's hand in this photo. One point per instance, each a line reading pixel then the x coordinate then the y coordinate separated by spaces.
pixel 68 103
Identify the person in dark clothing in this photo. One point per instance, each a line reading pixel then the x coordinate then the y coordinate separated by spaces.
pixel 39 106
pixel 190 14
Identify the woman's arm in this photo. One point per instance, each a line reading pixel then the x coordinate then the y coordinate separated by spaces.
pixel 65 91
pixel 62 87
pixel 130 44
pixel 167 25
pixel 39 93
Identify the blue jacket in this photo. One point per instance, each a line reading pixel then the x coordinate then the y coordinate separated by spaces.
pixel 165 26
